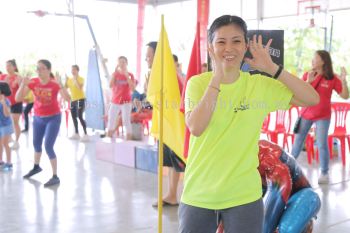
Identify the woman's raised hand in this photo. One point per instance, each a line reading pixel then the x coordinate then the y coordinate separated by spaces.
pixel 216 62
pixel 261 59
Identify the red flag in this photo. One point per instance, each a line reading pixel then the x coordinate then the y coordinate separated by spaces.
pixel 140 23
pixel 202 18
pixel 194 68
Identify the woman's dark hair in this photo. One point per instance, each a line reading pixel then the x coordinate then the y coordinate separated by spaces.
pixel 227 20
pixel 46 63
pixel 327 67
pixel 123 57
pixel 13 63
pixel 176 59
pixel 76 67
pixel 153 45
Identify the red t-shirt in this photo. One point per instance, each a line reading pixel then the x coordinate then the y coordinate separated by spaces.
pixel 45 97
pixel 121 93
pixel 13 82
pixel 322 110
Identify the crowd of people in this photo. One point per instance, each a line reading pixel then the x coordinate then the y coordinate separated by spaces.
pixel 222 184
pixel 43 93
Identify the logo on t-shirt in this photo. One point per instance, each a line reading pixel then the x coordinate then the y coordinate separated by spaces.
pixel 43 95
pixel 325 84
pixel 242 106
pixel 121 82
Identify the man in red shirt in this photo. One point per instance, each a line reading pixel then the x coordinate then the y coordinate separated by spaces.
pixel 171 160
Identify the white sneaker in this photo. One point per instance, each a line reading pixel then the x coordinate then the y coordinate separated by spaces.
pixel 323 179
pixel 15 146
pixel 85 138
pixel 75 137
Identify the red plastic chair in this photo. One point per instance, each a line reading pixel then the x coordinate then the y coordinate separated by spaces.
pixel 289 125
pixel 143 117
pixel 266 123
pixel 280 127
pixel 310 137
pixel 340 111
pixel 309 146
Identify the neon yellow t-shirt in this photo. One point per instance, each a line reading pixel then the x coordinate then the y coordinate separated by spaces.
pixel 76 93
pixel 221 170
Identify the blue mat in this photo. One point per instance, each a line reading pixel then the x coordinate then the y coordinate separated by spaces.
pixel 147 158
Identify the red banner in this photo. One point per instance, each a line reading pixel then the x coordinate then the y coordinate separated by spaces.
pixel 140 23
pixel 194 68
pixel 202 18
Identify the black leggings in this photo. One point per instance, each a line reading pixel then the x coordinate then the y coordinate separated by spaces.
pixel 77 108
pixel 26 112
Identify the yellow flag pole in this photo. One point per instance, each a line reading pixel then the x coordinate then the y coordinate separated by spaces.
pixel 160 150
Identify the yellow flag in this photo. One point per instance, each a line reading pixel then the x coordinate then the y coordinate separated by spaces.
pixel 173 119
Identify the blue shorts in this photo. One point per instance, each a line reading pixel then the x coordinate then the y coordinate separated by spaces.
pixel 6 130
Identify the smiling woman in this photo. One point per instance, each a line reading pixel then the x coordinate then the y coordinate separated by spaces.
pixel 222 182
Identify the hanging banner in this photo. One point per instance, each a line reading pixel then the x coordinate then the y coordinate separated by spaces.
pixel 140 23
pixel 95 109
pixel 202 18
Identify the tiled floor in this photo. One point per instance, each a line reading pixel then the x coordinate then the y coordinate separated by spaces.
pixel 100 197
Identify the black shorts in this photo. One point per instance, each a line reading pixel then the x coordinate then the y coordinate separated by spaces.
pixel 172 160
pixel 17 108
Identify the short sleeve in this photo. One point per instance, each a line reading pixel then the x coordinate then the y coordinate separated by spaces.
pixel 8 103
pixel 276 95
pixel 57 86
pixel 31 84
pixel 193 94
pixel 304 76
pixel 81 81
pixel 338 86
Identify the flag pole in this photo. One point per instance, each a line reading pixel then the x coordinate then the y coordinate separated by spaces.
pixel 160 149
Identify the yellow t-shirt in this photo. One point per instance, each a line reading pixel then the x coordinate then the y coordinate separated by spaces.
pixel 221 170
pixel 76 93
pixel 29 98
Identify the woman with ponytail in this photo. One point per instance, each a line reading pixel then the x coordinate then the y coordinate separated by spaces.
pixel 47 115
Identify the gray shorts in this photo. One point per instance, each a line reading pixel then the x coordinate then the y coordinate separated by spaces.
pixel 246 218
